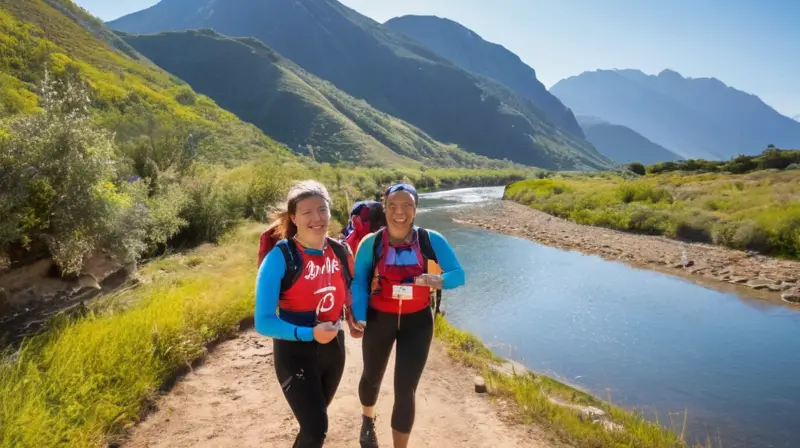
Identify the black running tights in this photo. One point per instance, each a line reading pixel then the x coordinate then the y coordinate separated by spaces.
pixel 413 344
pixel 309 374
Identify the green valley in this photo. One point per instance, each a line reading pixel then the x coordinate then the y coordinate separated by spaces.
pixel 391 72
pixel 308 114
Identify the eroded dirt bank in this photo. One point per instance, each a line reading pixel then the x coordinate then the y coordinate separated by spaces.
pixel 769 276
pixel 234 400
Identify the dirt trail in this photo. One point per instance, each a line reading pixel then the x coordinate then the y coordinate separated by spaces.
pixel 234 400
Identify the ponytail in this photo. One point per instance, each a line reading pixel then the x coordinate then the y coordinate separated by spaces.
pixel 283 224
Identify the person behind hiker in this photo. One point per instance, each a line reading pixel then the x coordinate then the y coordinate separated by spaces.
pixel 391 302
pixel 366 217
pixel 304 317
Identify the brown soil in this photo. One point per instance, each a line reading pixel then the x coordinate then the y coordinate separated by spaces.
pixel 769 276
pixel 234 400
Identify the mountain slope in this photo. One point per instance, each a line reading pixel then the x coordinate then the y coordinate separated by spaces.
pixel 696 118
pixel 306 113
pixel 133 99
pixel 387 69
pixel 471 52
pixel 623 144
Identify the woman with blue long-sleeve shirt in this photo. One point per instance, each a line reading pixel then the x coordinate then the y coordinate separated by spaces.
pixel 391 303
pixel 301 291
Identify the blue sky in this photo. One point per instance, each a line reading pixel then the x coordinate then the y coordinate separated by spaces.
pixel 750 45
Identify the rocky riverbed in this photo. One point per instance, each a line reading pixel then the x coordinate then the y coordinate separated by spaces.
pixel 769 276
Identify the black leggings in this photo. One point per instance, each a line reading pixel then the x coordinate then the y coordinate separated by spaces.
pixel 309 374
pixel 413 343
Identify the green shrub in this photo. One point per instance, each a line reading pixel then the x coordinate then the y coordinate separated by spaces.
pixel 216 205
pixel 637 168
pixel 59 183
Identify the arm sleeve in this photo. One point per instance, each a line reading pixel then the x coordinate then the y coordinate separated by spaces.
pixel 452 272
pixel 268 289
pixel 361 280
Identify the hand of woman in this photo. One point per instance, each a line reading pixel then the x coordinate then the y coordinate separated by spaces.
pixel 430 280
pixel 356 329
pixel 325 332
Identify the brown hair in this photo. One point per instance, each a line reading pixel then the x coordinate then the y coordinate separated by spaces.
pixel 282 219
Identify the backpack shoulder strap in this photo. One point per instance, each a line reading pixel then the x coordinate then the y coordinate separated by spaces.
pixel 294 263
pixel 377 247
pixel 425 244
pixel 342 252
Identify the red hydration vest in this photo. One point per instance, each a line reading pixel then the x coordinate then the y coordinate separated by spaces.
pixel 396 266
pixel 320 291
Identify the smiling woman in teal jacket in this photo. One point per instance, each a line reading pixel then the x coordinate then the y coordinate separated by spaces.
pixel 391 293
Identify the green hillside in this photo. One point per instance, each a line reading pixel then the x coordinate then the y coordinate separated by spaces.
pixel 390 71
pixel 102 151
pixel 129 98
pixel 308 114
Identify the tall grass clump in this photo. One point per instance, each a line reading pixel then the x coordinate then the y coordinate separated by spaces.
pixel 84 380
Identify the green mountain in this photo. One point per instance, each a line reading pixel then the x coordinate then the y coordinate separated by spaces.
pixel 622 144
pixel 387 69
pixel 308 114
pixel 471 52
pixel 130 96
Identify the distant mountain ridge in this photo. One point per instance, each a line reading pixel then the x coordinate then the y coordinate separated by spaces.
pixel 622 144
pixel 694 117
pixel 471 52
pixel 389 70
pixel 296 108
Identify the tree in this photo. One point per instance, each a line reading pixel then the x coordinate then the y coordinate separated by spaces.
pixel 61 185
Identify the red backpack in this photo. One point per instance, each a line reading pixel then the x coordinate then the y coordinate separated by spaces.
pixel 269 238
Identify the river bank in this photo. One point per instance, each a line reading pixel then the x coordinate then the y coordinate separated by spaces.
pixel 769 277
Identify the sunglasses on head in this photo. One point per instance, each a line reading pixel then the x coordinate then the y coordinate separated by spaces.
pixel 403 187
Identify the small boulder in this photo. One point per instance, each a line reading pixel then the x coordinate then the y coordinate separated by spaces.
pixel 792 296
pixel 759 283
pixel 480 385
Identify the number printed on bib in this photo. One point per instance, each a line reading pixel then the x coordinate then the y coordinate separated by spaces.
pixel 402 292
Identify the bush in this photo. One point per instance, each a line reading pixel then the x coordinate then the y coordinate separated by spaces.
pixel 642 192
pixel 216 205
pixel 637 168
pixel 64 189
pixel 59 183
pixel 693 226
pixel 743 235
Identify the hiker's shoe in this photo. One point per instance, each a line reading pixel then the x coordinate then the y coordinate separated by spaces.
pixel 368 437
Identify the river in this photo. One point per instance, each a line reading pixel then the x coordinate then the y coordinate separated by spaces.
pixel 644 339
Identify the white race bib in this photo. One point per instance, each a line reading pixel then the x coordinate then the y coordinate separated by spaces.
pixel 402 292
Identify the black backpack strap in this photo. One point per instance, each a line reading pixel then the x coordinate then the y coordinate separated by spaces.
pixel 294 263
pixel 342 251
pixel 377 248
pixel 425 245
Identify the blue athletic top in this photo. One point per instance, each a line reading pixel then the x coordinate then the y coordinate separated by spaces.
pixel 452 273
pixel 318 295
